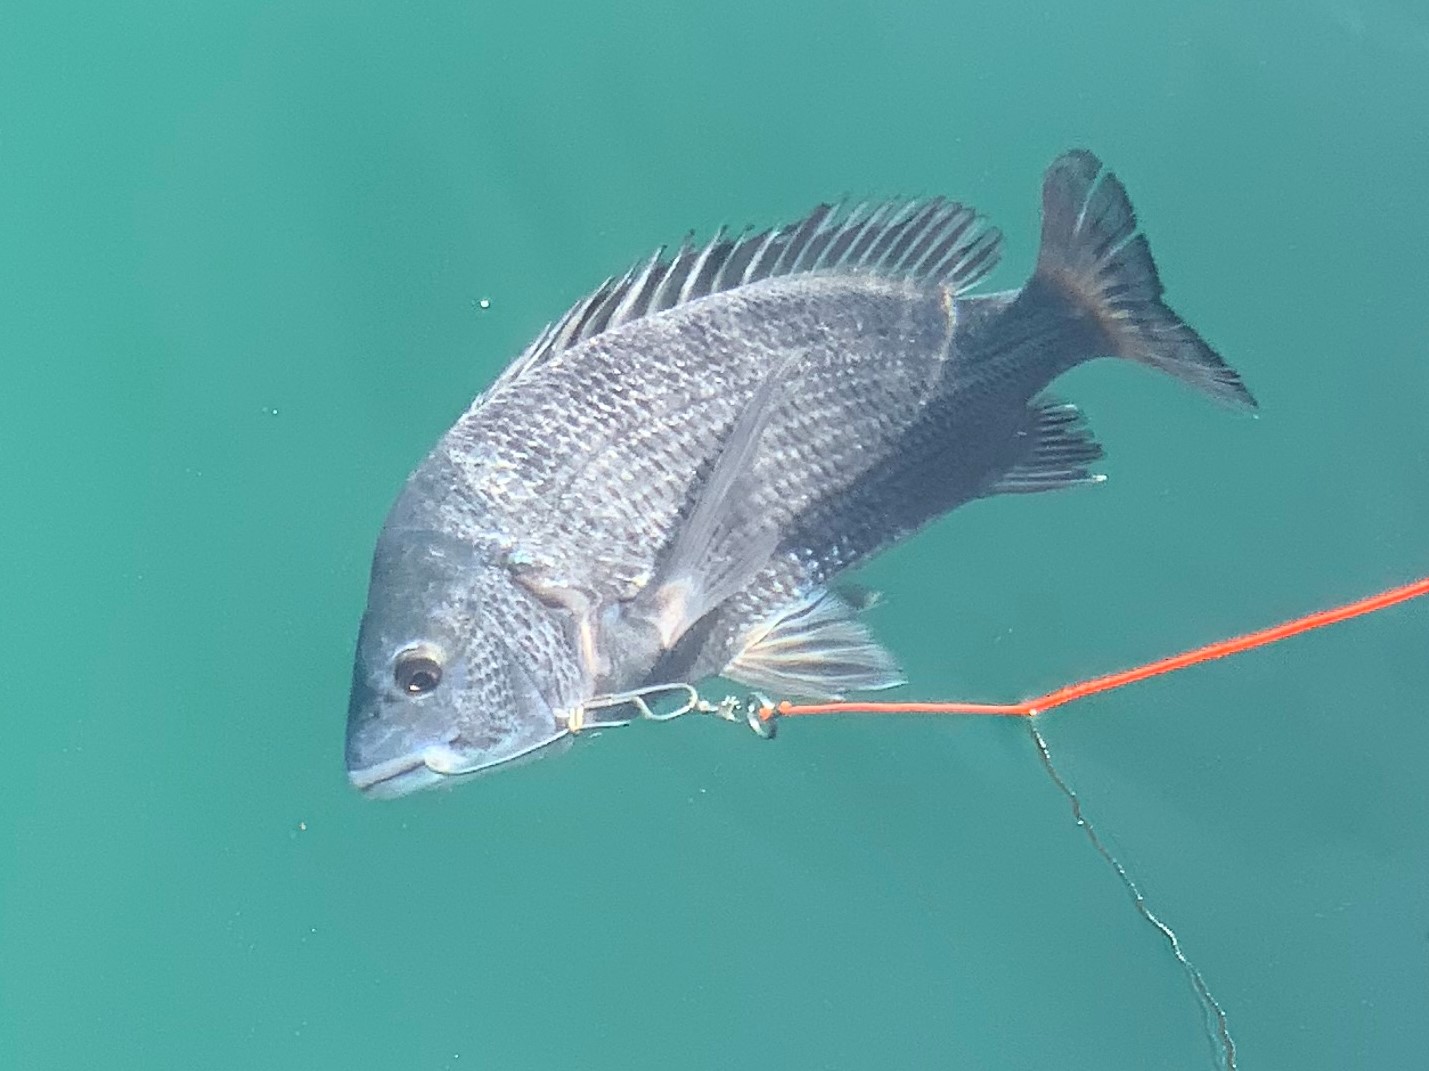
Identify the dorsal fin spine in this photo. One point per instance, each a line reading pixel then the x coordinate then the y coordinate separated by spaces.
pixel 732 270
pixel 813 252
pixel 868 234
pixel 599 318
pixel 755 270
pixel 571 333
pixel 637 298
pixel 709 271
pixel 844 235
pixel 799 238
pixel 667 294
pixel 687 292
pixel 929 240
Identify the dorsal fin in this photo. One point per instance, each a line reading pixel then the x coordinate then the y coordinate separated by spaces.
pixel 933 240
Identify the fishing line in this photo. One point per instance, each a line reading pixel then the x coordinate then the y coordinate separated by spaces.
pixel 762 714
pixel 1218 1026
pixel 1214 1016
pixel 1106 683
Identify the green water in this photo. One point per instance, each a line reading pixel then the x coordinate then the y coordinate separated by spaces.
pixel 243 251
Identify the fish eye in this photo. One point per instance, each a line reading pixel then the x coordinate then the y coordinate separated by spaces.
pixel 416 671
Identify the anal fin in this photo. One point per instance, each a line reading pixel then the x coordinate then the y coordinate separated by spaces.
pixel 1059 447
pixel 815 649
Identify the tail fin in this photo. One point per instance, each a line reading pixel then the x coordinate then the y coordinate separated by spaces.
pixel 1092 253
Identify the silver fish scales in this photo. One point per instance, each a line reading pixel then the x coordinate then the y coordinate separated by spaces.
pixel 666 483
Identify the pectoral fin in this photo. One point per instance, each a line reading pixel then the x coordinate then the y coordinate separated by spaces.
pixel 724 543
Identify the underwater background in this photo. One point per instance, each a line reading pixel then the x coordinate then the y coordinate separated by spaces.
pixel 256 257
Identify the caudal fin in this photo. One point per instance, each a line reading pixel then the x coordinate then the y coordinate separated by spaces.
pixel 1094 256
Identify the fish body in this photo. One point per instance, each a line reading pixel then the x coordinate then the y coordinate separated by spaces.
pixel 666 483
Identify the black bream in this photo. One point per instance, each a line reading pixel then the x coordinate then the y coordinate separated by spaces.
pixel 664 484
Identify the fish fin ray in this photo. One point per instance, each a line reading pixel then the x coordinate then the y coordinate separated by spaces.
pixel 640 291
pixel 732 271
pixel 667 293
pixel 705 268
pixel 1060 445
pixel 928 240
pixel 816 648
pixel 859 597
pixel 557 336
pixel 1093 253
pixel 721 545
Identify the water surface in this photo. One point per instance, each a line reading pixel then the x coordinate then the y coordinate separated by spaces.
pixel 243 255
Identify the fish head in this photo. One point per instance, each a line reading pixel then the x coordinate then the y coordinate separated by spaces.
pixel 452 674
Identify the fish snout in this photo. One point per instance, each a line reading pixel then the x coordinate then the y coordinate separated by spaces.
pixel 398 743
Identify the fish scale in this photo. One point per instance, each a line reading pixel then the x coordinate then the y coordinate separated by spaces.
pixel 665 484
pixel 845 404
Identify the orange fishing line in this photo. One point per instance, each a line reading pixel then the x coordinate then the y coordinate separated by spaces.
pixel 1096 685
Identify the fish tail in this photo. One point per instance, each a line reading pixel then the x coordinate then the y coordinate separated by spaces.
pixel 1095 262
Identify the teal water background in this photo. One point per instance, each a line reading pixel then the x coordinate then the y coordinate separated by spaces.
pixel 243 251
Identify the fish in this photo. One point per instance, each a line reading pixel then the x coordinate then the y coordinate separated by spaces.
pixel 670 481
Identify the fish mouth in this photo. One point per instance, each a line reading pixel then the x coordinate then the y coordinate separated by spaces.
pixel 396 777
pixel 437 764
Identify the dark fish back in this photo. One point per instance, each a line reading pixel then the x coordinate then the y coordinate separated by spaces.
pixel 603 448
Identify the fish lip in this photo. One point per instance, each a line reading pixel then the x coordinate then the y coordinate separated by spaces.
pixel 448 763
pixel 379 779
pixel 396 784
pixel 433 765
